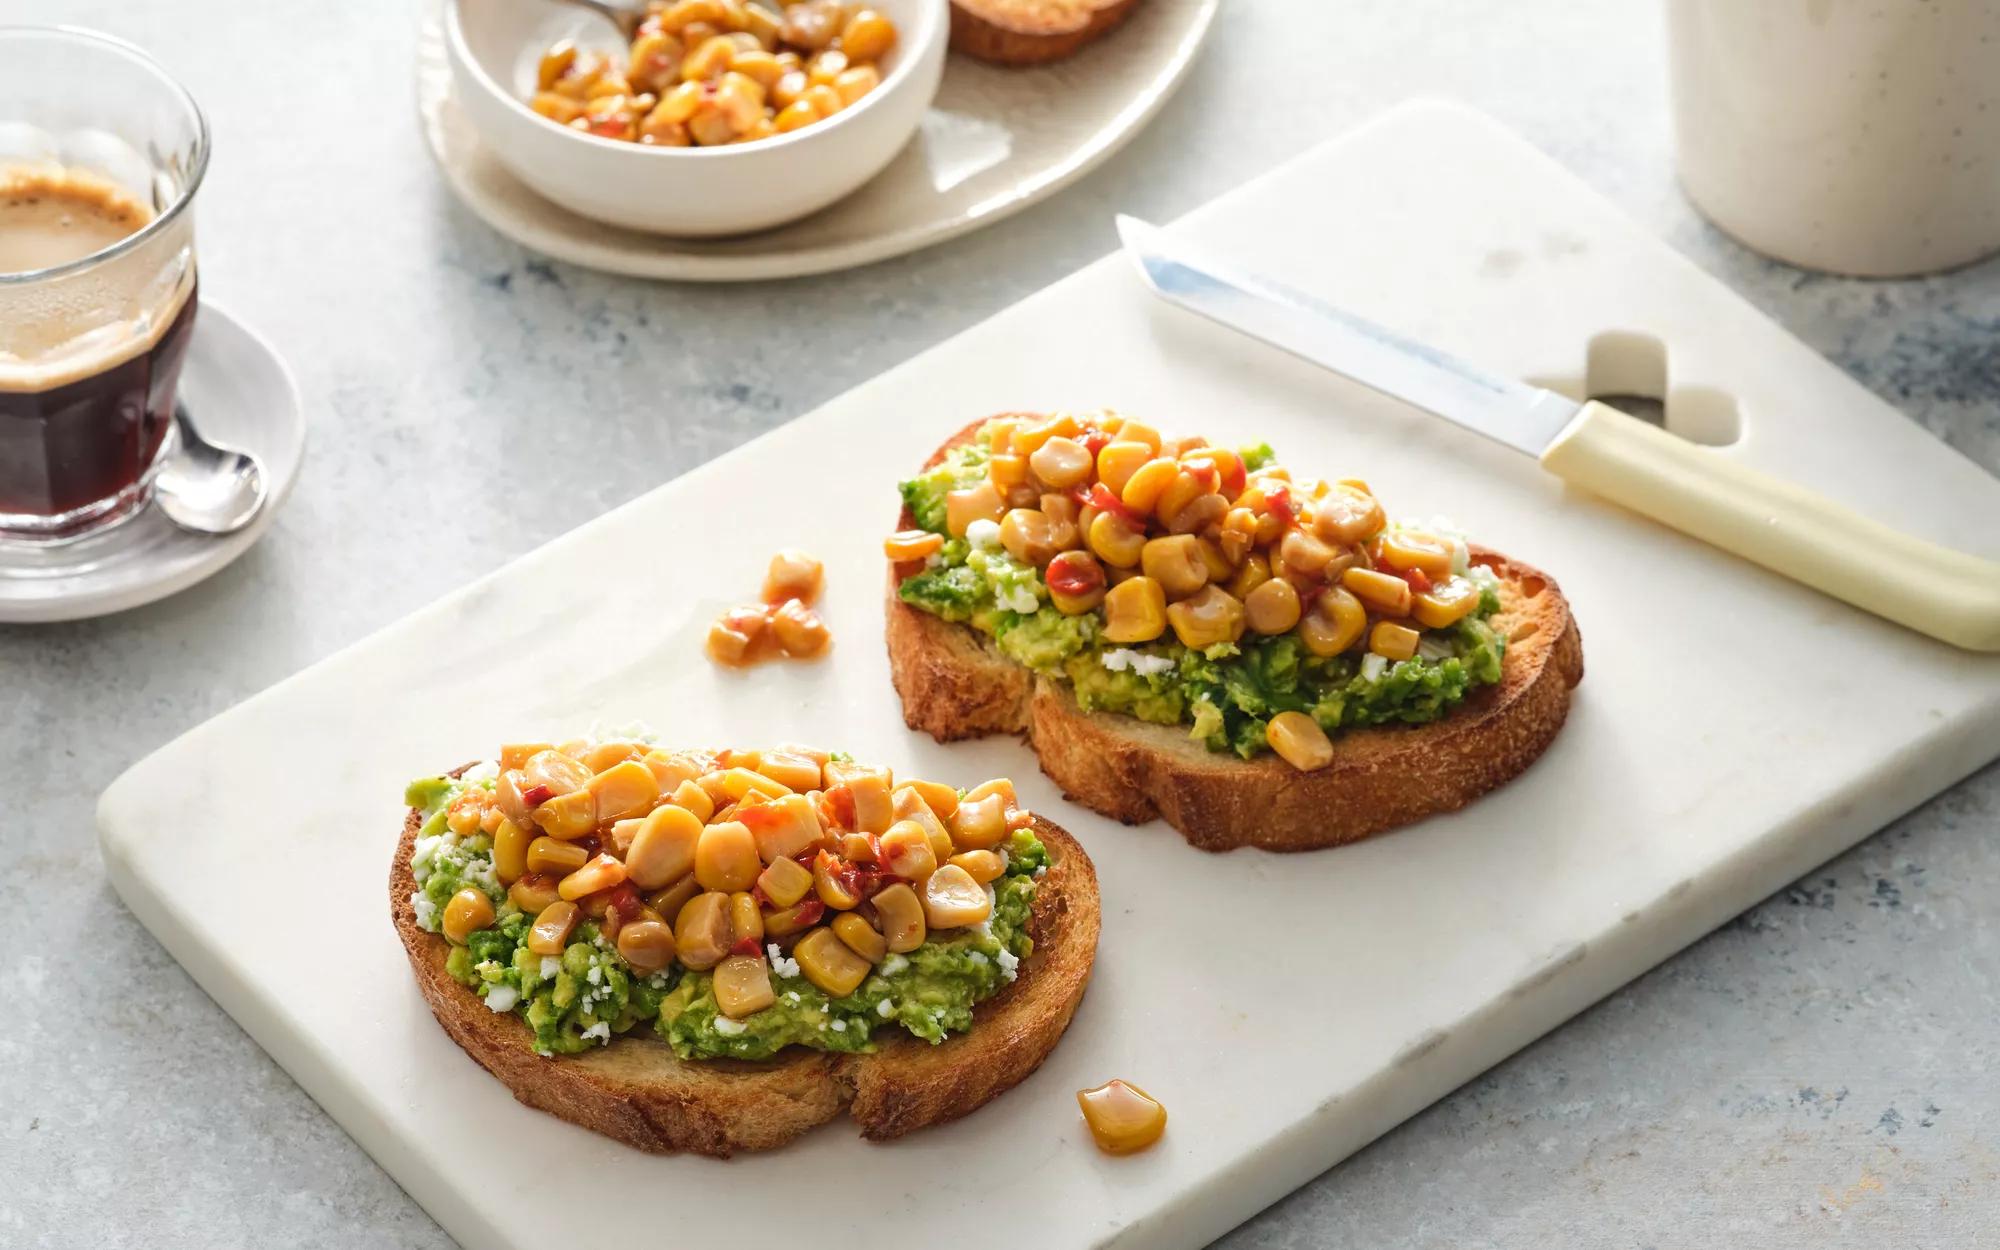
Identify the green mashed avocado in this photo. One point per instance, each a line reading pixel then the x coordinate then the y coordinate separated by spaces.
pixel 589 994
pixel 1225 694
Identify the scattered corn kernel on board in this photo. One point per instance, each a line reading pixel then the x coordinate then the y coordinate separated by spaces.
pixel 1732 731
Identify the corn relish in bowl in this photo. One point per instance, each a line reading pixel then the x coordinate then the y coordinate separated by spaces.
pixel 712 72
pixel 735 902
pixel 721 117
pixel 1188 584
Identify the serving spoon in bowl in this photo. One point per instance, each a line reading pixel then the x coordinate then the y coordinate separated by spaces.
pixel 626 17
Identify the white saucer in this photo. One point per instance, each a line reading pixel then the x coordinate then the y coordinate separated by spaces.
pixel 995 141
pixel 238 392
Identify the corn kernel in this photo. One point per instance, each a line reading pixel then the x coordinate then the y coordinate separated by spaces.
pixel 830 963
pixel 468 912
pixel 1122 1118
pixel 1135 611
pixel 860 937
pixel 743 986
pixel 1397 642
pixel 1299 741
pixel 953 899
pixel 1384 592
pixel 785 882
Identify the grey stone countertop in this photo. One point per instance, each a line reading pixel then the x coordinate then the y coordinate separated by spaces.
pixel 1824 1070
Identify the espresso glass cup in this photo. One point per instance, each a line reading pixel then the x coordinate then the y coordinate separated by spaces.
pixel 101 153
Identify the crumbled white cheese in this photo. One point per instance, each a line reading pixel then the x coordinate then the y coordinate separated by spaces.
pixel 483 771
pixel 1483 575
pixel 893 965
pixel 1010 964
pixel 550 966
pixel 840 1026
pixel 727 1027
pixel 1019 599
pixel 424 855
pixel 935 560
pixel 1041 870
pixel 502 998
pixel 480 872
pixel 601 1031
pixel 1439 526
pixel 595 976
pixel 1373 666
pixel 983 534
pixel 885 1009
pixel 426 912
pixel 792 997
pixel 781 964
pixel 1431 647
pixel 1125 659
pixel 978 957
pixel 621 731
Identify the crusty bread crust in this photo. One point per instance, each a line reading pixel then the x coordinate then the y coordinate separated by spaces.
pixel 955 684
pixel 1031 32
pixel 637 1091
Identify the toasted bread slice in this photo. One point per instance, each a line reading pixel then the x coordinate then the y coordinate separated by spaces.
pixel 955 684
pixel 1031 32
pixel 639 1092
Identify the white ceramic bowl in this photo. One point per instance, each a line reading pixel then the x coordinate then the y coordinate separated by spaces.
pixel 495 45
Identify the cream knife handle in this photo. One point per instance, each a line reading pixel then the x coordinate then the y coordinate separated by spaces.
pixel 1947 594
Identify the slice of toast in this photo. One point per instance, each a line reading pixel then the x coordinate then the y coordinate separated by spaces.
pixel 955 684
pixel 1031 32
pixel 639 1092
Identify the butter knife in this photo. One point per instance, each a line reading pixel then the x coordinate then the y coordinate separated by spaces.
pixel 1950 595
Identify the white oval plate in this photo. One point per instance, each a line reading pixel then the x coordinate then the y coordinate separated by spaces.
pixel 238 392
pixel 995 141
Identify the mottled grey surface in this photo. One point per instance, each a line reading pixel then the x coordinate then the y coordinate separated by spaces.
pixel 1821 1071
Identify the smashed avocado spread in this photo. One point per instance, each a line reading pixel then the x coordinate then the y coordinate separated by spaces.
pixel 1191 585
pixel 811 901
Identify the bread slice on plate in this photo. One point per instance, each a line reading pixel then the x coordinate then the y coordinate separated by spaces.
pixel 636 1089
pixel 1031 32
pixel 955 683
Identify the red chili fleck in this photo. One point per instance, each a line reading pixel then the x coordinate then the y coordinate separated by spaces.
pixel 1235 480
pixel 1103 500
pixel 535 796
pixel 623 901
pixel 1419 580
pixel 837 807
pixel 1094 440
pixel 1073 577
pixel 1279 500
pixel 810 912
pixel 747 946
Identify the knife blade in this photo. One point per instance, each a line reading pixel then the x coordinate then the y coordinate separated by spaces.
pixel 1511 412
pixel 1699 491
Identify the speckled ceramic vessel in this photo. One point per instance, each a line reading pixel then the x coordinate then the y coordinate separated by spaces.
pixel 1856 138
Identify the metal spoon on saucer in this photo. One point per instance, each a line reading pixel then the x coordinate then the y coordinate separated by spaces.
pixel 206 487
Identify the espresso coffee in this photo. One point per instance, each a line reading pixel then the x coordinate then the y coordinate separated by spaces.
pixel 87 376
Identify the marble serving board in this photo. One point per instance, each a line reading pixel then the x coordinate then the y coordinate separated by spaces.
pixel 1732 731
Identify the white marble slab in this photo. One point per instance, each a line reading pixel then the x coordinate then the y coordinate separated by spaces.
pixel 1732 731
